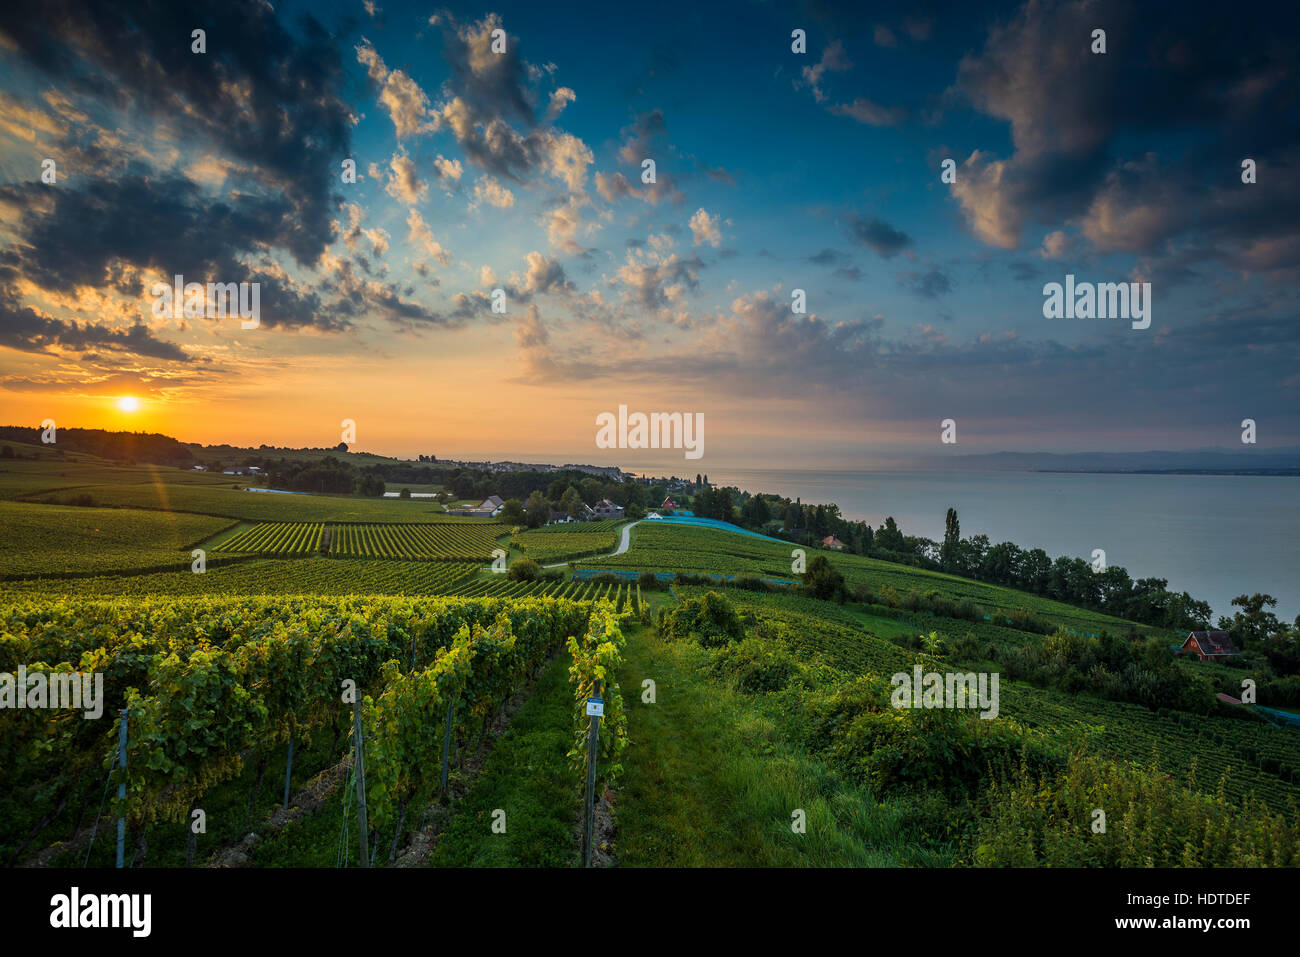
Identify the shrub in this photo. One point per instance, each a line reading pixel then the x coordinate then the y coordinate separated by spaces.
pixel 709 619
pixel 524 570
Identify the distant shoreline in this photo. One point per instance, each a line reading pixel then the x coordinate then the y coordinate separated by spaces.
pixel 1257 472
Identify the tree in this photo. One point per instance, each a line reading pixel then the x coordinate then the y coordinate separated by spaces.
pixel 512 512
pixel 341 447
pixel 539 510
pixel 950 553
pixel 1252 625
pixel 889 538
pixel 404 493
pixel 821 580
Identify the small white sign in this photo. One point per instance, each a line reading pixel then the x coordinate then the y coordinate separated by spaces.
pixel 595 707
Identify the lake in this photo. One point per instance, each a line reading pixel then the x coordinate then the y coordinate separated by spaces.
pixel 1215 536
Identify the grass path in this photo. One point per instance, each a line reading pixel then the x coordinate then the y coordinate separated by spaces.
pixel 528 776
pixel 711 782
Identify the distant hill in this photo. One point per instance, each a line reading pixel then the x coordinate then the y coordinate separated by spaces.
pixel 150 447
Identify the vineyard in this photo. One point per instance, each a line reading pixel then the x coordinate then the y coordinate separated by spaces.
pixel 54 540
pixel 555 543
pixel 706 551
pixel 272 538
pixel 307 576
pixel 213 685
pixel 440 542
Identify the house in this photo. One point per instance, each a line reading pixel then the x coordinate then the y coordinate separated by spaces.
pixel 559 516
pixel 1210 645
pixel 669 505
pixel 489 508
pixel 607 509
pixel 831 542
pixel 199 468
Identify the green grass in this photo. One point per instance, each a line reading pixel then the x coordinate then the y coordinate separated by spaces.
pixel 58 540
pixel 527 775
pixel 698 550
pixel 711 780
pixel 232 502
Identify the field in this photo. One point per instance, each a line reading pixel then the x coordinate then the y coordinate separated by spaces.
pixel 704 551
pixel 57 540
pixel 443 542
pixel 230 501
pixel 555 543
pixel 303 591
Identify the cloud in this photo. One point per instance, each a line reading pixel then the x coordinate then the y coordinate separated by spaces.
pixel 448 170
pixel 869 113
pixel 488 190
pixel 704 229
pixel 1073 121
pixel 404 183
pixel 878 236
pixel 833 61
pixel 420 234
pixel 401 96
pixel 544 275
pixel 928 285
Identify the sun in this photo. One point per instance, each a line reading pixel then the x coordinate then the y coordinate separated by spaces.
pixel 128 403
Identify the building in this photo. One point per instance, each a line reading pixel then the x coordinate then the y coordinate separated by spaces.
pixel 1210 645
pixel 669 505
pixel 833 543
pixel 607 509
pixel 489 508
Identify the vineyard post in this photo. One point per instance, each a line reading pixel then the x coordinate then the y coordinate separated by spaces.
pixel 288 773
pixel 363 823
pixel 121 790
pixel 593 739
pixel 446 746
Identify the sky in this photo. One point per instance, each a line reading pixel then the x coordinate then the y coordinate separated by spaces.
pixel 520 169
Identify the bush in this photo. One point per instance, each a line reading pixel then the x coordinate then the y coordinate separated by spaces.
pixel 821 580
pixel 524 570
pixel 709 619
pixel 648 580
pixel 757 666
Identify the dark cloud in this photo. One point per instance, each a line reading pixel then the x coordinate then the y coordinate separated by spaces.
pixel 929 284
pixel 1141 145
pixel 260 94
pixel 878 236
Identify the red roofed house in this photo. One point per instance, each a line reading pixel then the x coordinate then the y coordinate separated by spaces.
pixel 1210 645
pixel 668 505
pixel 830 541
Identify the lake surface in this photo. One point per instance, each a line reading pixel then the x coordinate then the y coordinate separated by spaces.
pixel 1215 536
